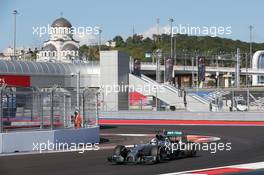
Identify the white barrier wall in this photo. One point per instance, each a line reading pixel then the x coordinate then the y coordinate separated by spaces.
pixel 114 70
pixel 25 141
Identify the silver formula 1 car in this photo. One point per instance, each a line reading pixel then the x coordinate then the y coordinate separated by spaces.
pixel 165 146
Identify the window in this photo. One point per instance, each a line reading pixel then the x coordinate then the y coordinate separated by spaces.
pixel 261 66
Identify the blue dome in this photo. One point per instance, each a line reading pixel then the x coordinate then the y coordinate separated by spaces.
pixel 61 22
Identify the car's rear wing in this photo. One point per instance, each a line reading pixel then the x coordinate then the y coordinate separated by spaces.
pixel 173 133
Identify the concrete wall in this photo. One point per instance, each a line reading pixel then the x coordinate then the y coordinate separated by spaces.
pixel 168 115
pixel 91 80
pixel 114 69
pixel 23 141
pixel 47 80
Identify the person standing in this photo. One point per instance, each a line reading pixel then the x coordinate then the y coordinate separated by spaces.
pixel 78 120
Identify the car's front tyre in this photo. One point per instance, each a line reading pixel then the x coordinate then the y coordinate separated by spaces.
pixel 120 151
pixel 156 153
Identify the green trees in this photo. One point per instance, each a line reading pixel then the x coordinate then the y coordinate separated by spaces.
pixel 119 41
pixel 137 45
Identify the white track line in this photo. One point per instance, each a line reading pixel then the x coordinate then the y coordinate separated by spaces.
pixel 128 135
pixel 250 166
pixel 62 151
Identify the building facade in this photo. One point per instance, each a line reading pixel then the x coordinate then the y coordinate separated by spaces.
pixel 61 46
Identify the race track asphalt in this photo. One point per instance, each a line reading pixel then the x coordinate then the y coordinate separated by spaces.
pixel 247 146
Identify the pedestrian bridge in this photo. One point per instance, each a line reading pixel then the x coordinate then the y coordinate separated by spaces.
pixel 146 66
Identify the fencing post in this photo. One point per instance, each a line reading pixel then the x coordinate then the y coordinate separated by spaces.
pixel 248 98
pixel 52 107
pixel 64 110
pixel 1 107
pixel 1 110
pixel 233 100
pixel 41 110
pixel 32 106
pixel 52 111
pixel 97 112
pixel 83 99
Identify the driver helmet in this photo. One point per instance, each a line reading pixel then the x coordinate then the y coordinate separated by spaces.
pixel 154 141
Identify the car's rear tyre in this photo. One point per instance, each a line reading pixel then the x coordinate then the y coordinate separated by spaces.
pixel 191 151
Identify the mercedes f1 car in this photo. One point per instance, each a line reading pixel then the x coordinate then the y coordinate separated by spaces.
pixel 166 145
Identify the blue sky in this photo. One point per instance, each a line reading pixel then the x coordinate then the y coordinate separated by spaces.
pixel 116 17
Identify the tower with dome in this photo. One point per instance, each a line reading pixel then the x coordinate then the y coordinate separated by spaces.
pixel 61 46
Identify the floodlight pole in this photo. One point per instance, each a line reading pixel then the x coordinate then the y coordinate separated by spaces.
pixel 250 43
pixel 171 32
pixel 100 38
pixel 14 47
pixel 238 68
pixel 246 56
pixel 250 48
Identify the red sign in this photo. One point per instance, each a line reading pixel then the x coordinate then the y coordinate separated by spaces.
pixel 15 80
pixel 136 98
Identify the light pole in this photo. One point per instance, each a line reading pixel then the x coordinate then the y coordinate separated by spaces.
pixel 14 13
pixel 100 37
pixel 250 49
pixel 246 70
pixel 238 68
pixel 174 48
pixel 171 32
pixel 250 43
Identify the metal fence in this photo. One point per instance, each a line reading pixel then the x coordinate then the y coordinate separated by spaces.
pixel 197 100
pixel 232 99
pixel 53 108
pixel 48 108
pixel 89 106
